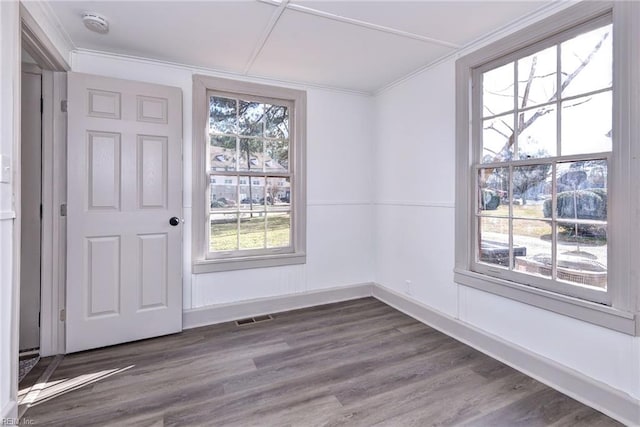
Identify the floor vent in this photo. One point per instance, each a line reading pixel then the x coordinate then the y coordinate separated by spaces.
pixel 251 320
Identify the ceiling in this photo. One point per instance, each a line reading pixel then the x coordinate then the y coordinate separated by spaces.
pixel 356 45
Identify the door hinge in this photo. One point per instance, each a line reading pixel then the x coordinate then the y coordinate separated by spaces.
pixel 63 105
pixel 41 105
pixel 63 209
pixel 39 319
pixel 63 315
pixel 41 209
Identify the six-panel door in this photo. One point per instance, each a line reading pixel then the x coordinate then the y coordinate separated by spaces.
pixel 125 183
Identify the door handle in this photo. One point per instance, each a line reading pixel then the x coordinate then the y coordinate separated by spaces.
pixel 174 220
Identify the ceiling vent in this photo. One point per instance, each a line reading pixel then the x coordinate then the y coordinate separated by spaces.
pixel 95 22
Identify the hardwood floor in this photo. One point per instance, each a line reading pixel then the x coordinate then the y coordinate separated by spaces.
pixel 355 363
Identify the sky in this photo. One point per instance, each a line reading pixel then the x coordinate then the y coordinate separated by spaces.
pixel 585 121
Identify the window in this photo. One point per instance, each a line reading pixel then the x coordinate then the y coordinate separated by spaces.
pixel 544 128
pixel 539 149
pixel 252 152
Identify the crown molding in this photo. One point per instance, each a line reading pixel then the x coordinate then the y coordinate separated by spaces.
pixel 217 73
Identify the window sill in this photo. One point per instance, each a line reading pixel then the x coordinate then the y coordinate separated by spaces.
pixel 247 262
pixel 594 313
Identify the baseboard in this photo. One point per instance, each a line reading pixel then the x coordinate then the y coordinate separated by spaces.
pixel 220 313
pixel 9 413
pixel 589 391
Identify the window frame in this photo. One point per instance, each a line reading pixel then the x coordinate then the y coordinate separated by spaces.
pixel 618 311
pixel 204 261
pixel 553 285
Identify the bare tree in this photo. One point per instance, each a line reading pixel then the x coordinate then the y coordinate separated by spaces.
pixel 527 177
pixel 523 124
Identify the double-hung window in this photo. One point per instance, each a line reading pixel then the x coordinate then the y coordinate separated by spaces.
pixel 249 182
pixel 544 140
pixel 541 169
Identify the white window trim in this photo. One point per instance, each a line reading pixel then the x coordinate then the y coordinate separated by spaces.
pixel 623 230
pixel 200 208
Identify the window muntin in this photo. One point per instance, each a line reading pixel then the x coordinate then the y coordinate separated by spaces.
pixel 553 125
pixel 250 185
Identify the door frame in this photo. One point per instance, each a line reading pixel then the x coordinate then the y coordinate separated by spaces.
pixel 32 70
pixel 53 239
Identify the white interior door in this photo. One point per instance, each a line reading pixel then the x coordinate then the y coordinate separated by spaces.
pixel 30 200
pixel 124 258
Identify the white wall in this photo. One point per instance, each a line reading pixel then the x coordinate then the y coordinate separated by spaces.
pixel 396 150
pixel 9 91
pixel 415 237
pixel 339 220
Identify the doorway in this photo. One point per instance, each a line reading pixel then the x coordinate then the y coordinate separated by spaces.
pixel 31 209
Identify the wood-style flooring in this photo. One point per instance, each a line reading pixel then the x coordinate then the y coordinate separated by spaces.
pixel 354 363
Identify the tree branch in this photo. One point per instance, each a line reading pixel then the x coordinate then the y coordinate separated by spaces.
pixel 527 88
pixel 492 127
pixel 562 87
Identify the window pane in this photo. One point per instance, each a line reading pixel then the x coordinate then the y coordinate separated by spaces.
pixel 493 187
pixel 276 157
pixel 582 254
pixel 252 231
pixel 586 124
pixel 278 191
pixel 224 193
pixel 278 229
pixel 494 241
pixel 593 49
pixel 222 115
pixel 223 153
pixel 251 118
pixel 497 139
pixel 251 155
pixel 224 232
pixel 531 186
pixel 532 247
pixel 582 190
pixel 252 193
pixel 537 78
pixel 276 121
pixel 537 133
pixel 498 90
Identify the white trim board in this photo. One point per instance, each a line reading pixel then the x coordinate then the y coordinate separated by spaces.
pixel 49 37
pixel 220 313
pixel 7 215
pixel 340 203
pixel 422 204
pixel 589 391
pixel 9 413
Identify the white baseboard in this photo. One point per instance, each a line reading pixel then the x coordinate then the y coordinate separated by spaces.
pixel 9 413
pixel 219 313
pixel 589 391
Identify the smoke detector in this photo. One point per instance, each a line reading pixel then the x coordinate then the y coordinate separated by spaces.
pixel 95 22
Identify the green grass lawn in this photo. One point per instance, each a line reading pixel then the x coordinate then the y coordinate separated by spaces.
pixel 523 211
pixel 530 227
pixel 224 235
pixel 521 227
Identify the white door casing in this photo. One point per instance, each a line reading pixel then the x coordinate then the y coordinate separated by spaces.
pixel 124 259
